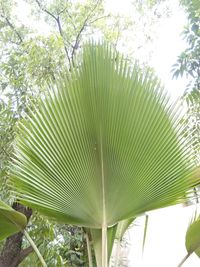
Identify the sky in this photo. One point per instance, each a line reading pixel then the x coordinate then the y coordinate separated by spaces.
pixel 165 241
pixel 167 44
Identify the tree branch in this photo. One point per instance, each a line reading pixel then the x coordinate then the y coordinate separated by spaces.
pixel 62 11
pixel 77 41
pixel 103 17
pixel 13 29
pixel 70 16
pixel 24 253
pixel 62 36
pixel 10 254
pixel 57 20
pixel 78 37
pixel 93 9
pixel 45 10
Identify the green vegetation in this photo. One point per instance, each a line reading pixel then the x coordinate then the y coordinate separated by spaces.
pixel 188 65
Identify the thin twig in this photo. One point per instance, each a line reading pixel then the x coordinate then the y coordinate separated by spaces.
pixel 78 37
pixel 13 28
pixel 57 20
pixel 45 10
pixel 184 259
pixel 62 11
pixel 70 16
pixel 103 17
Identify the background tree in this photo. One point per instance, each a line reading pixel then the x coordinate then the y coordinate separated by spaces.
pixel 188 66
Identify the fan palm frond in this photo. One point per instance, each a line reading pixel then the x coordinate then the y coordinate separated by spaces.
pixel 104 145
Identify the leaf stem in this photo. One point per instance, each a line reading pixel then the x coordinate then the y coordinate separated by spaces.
pixel 89 250
pixel 35 249
pixel 104 246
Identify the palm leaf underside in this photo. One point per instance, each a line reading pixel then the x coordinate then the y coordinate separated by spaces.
pixel 102 146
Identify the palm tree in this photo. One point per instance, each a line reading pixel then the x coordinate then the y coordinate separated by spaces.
pixel 104 145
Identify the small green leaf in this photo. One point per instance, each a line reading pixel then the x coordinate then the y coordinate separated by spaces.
pixel 192 241
pixel 11 221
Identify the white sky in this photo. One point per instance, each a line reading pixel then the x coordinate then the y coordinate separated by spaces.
pixel 167 45
pixel 165 241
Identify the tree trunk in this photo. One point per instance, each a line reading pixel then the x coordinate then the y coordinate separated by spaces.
pixel 12 253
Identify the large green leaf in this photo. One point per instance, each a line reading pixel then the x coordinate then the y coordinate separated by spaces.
pixel 102 146
pixel 11 221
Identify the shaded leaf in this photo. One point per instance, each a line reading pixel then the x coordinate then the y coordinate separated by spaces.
pixel 11 221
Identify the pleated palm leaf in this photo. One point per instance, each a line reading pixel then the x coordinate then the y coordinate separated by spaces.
pixel 102 146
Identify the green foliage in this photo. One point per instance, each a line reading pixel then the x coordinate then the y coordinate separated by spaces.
pixel 192 6
pixel 60 245
pixel 188 64
pixel 7 133
pixel 188 61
